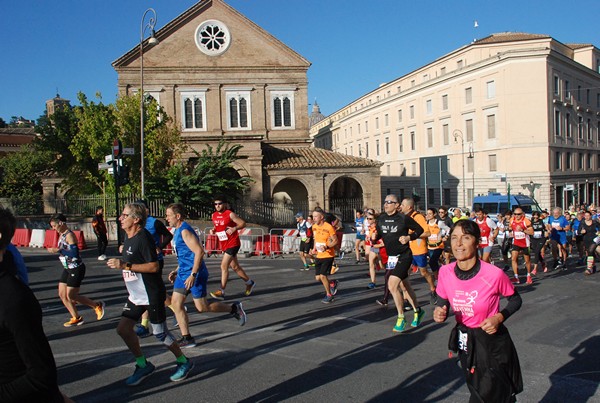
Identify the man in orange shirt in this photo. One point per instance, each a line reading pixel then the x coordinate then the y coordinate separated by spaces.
pixel 418 247
pixel 325 241
pixel 521 229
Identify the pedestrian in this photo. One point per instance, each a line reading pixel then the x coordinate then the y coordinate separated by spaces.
pixel 374 256
pixel 226 226
pixel 589 230
pixel 324 249
pixel 191 276
pixel 558 226
pixel 101 232
pixel 306 239
pixel 73 273
pixel 538 240
pixel 447 220
pixel 438 230
pixel 473 288
pixel 393 227
pixel 359 228
pixel 489 230
pixel 521 230
pixel 143 279
pixel 27 367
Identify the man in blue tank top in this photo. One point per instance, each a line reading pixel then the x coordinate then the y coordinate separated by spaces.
pixel 191 276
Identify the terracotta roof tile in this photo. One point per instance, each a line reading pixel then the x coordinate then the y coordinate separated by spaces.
pixel 309 157
pixel 579 45
pixel 510 37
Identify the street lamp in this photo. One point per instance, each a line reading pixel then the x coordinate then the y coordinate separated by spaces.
pixel 151 42
pixel 458 134
pixel 471 156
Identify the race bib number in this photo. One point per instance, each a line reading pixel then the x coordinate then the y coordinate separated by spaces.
pixel 303 234
pixel 391 263
pixel 555 224
pixel 321 246
pixel 463 338
pixel 433 238
pixel 222 235
pixel 537 234
pixel 597 240
pixel 128 275
pixel 483 240
pixel 519 235
pixel 63 260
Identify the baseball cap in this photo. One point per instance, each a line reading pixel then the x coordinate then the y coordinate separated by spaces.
pixel 299 214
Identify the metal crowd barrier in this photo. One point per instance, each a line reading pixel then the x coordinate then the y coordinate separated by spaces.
pixel 283 241
pixel 252 242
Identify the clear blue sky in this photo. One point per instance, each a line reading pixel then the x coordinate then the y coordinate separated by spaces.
pixel 353 45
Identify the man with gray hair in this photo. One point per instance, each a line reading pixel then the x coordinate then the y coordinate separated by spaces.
pixel 142 275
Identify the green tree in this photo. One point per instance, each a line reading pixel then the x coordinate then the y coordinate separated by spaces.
pixel 197 181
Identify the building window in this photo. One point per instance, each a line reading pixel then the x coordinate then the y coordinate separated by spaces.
pixel 388 170
pixel 598 131
pixel 491 126
pixel 212 37
pixel 588 97
pixel 239 110
pixel 359 128
pixel 556 86
pixel 491 89
pixel 359 150
pixel 412 141
pixel 580 127
pixel 589 161
pixel 569 162
pixel 429 107
pixel 579 93
pixel 376 123
pixel 386 120
pixel 399 115
pixel 567 89
pixel 446 134
pixel 445 102
pixel 568 124
pixel 430 137
pixel 412 83
pixel 366 127
pixel 282 116
pixel 387 146
pixel 403 171
pixel 193 106
pixel 557 161
pixel 401 146
pixel 367 149
pixel 413 169
pixel 493 166
pixel 459 64
pixel 557 123
pixel 442 71
pixel 581 161
pixel 471 164
pixel 412 111
pixel 377 148
pixel 468 95
pixel 469 127
pixel 598 100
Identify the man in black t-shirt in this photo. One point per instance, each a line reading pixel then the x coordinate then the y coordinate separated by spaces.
pixel 147 291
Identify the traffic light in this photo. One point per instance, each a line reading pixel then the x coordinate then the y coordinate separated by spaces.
pixel 123 177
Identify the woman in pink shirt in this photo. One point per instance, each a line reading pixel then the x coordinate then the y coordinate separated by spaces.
pixel 473 288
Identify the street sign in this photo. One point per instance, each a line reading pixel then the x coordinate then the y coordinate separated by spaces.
pixel 108 158
pixel 117 148
pixel 104 166
pixel 569 187
pixel 128 151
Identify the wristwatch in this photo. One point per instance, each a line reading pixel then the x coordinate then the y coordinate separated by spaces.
pixel 194 274
pixel 128 265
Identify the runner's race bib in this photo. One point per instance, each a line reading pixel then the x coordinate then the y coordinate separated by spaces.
pixel 555 224
pixel 321 246
pixel 222 235
pixel 483 240
pixel 433 238
pixel 63 260
pixel 537 234
pixel 519 235
pixel 128 275
pixel 391 263
pixel 463 338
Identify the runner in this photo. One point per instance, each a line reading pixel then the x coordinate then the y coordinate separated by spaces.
pixel 418 246
pixel 505 237
pixel 488 230
pixel 162 237
pixel 72 274
pixel 191 276
pixel 306 239
pixel 227 224
pixel 443 216
pixel 147 292
pixel 325 242
pixel 589 229
pixel 100 231
pixel 374 256
pixel 521 229
pixel 359 227
pixel 578 237
pixel 557 226
pixel 458 215
pixel 537 242
pixel 435 244
pixel 392 227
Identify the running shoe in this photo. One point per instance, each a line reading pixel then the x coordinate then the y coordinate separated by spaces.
pixel 78 321
pixel 414 268
pixel 515 280
pixel 186 342
pixel 142 331
pixel 534 271
pixel 312 264
pixel 418 318
pixel 99 309
pixel 358 262
pixel 182 371
pixel 140 374
pixel 546 269
pixel 305 267
pixel 219 294
pixel 249 288
pixel 382 302
pixel 529 280
pixel 400 325
pixel 407 306
pixel 433 298
pixel 334 268
pixel 102 257
pixel 333 284
pixel 328 299
pixel 239 313
pixel 371 286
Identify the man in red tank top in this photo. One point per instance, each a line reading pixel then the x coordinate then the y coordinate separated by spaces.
pixel 489 231
pixel 226 225
pixel 521 229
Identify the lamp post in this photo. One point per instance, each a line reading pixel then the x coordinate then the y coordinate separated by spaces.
pixel 458 134
pixel 151 42
pixel 471 156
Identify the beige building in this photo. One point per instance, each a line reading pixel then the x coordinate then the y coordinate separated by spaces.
pixel 510 109
pixel 223 77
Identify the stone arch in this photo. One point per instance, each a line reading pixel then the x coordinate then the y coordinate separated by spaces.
pixel 291 192
pixel 345 197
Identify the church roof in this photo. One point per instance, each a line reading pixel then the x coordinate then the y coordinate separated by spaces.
pixel 310 157
pixel 316 116
pixel 510 37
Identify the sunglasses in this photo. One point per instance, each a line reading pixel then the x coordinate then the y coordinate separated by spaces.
pixel 390 202
pixel 370 218
pixel 218 203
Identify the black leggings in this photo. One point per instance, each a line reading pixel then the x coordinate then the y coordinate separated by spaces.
pixel 537 245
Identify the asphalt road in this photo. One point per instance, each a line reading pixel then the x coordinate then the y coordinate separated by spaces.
pixel 294 348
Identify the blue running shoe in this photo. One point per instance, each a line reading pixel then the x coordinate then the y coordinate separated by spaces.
pixel 142 331
pixel 140 374
pixel 400 325
pixel 328 299
pixel 418 317
pixel 371 286
pixel 182 371
pixel 333 285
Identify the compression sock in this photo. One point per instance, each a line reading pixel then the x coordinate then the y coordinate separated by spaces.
pixel 182 359
pixel 146 323
pixel 141 361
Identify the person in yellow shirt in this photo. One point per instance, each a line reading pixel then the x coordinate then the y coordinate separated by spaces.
pixel 418 247
pixel 325 241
